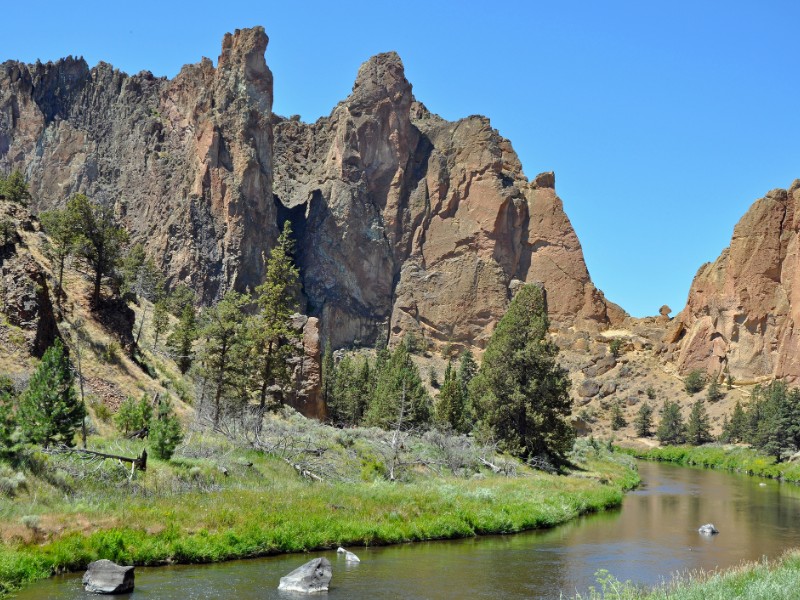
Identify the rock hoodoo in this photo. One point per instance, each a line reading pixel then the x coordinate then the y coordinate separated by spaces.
pixel 405 222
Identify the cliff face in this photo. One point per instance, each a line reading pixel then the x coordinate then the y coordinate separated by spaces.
pixel 187 162
pixel 405 222
pixel 743 309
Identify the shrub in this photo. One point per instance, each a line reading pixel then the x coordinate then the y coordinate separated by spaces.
pixel 165 432
pixel 694 382
pixel 615 347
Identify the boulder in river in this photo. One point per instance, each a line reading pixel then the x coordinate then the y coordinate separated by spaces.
pixel 106 577
pixel 314 576
pixel 708 529
pixel 348 556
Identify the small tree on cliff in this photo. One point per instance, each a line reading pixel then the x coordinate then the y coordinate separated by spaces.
pixel 60 243
pixel 15 188
pixel 181 340
pixel 99 239
pixel 520 392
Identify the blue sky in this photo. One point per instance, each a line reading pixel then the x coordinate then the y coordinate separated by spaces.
pixel 663 121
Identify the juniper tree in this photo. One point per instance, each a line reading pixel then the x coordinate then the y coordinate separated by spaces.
pixel 182 339
pixel 15 188
pixel 617 418
pixel 273 337
pixel 49 410
pixel 60 244
pixel 399 399
pixel 520 391
pixel 99 238
pixel 698 429
pixel 671 429
pixel 644 420
pixel 736 427
pixel 223 347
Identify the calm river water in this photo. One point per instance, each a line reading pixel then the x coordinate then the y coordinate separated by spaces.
pixel 651 536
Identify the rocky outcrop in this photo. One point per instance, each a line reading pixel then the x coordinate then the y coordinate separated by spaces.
pixel 405 222
pixel 408 223
pixel 187 163
pixel 24 297
pixel 743 309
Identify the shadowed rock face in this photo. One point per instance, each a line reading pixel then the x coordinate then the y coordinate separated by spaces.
pixel 744 308
pixel 405 222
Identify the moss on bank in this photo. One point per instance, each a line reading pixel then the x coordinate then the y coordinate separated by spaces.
pixel 728 457
pixel 188 511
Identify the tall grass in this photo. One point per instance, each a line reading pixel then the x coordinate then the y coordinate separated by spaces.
pixel 188 511
pixel 729 457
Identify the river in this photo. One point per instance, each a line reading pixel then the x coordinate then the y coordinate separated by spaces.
pixel 653 535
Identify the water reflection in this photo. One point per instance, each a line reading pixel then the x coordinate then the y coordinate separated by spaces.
pixel 653 535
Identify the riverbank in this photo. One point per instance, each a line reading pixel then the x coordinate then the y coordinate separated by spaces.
pixel 245 503
pixel 766 580
pixel 729 457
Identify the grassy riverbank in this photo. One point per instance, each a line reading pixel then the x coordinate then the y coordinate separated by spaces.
pixel 66 514
pixel 728 457
pixel 767 580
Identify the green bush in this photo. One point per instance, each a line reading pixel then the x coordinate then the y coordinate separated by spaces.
pixel 694 382
pixel 165 432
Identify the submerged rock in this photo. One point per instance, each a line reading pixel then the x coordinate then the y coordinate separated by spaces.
pixel 348 556
pixel 708 529
pixel 314 576
pixel 106 577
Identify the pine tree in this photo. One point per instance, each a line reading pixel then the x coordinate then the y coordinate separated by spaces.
pixel 223 347
pixel 698 430
pixel 713 393
pixel 165 433
pixel 99 238
pixel 133 415
pixel 183 338
pixel 49 410
pixel 15 188
pixel 8 424
pixel 160 320
pixel 349 391
pixel 520 392
pixel 644 420
pixel 60 244
pixel 617 417
pixel 399 399
pixel 736 430
pixel 671 429
pixel 274 338
pixel 467 369
pixel 450 404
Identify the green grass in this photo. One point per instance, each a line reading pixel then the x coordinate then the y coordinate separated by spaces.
pixel 187 511
pixel 728 457
pixel 776 580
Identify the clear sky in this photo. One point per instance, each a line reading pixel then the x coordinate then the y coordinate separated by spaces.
pixel 663 121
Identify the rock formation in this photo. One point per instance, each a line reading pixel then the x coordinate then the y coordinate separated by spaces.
pixel 405 222
pixel 106 577
pixel 743 309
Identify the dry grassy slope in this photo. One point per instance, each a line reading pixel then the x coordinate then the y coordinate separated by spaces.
pixel 110 375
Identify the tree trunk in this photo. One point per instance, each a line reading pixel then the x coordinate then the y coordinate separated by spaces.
pixel 98 278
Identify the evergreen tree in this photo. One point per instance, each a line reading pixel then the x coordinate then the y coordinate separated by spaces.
pixel 223 347
pixel 399 399
pixel 698 430
pixel 178 299
pixel 520 392
pixel 182 339
pixel 713 393
pixel 160 320
pixel 451 403
pixel 49 410
pixel 467 369
pixel 644 420
pixel 15 188
pixel 274 338
pixel 99 239
pixel 349 391
pixel 8 424
pixel 133 415
pixel 671 429
pixel 736 430
pixel 694 382
pixel 60 242
pixel 617 417
pixel 165 433
pixel 328 374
